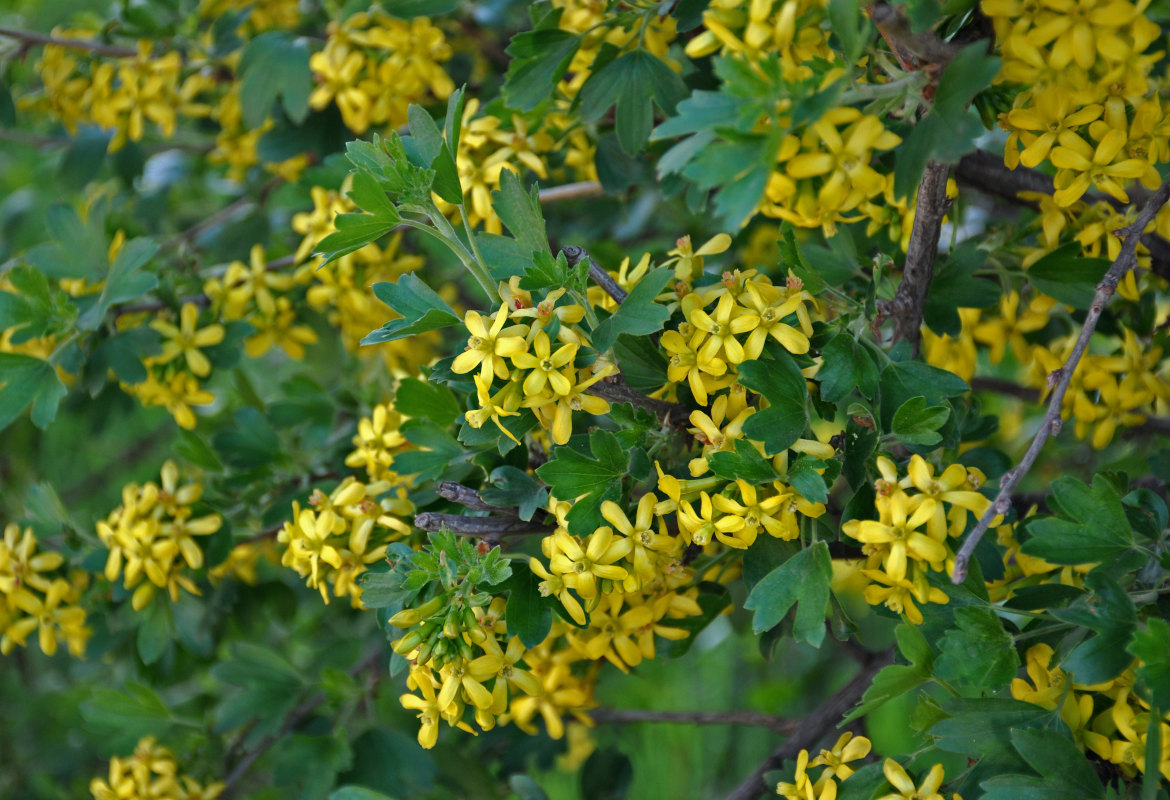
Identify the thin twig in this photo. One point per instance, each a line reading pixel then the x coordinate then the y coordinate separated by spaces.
pixel 30 38
pixel 477 526
pixel 291 721
pixel 1062 377
pixel 222 216
pixel 807 732
pixel 753 718
pixel 616 390
pixel 918 272
pixel 571 191
pixel 575 255
pixel 197 299
pixel 1001 386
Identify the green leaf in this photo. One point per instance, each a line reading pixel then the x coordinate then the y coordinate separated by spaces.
pixel 36 308
pixel 1151 645
pixel 632 81
pixel 903 380
pixel 434 401
pixel 1154 755
pixel 7 107
pixel 367 193
pixel 528 613
pixel 28 381
pixel 421 309
pixel 1094 528
pixel 606 775
pixel 519 210
pixel 847 366
pixel 588 479
pixel 546 272
pixel 357 793
pixel 134 713
pixel 803 476
pixel 526 788
pixel 897 679
pixel 848 23
pixel 978 653
pixel 1058 761
pixel 641 362
pixel 437 155
pixel 780 424
pixel 915 424
pixel 955 286
pixel 437 450
pixel 1067 276
pixel 354 231
pixel 275 64
pixel 950 129
pixel 513 488
pixel 540 59
pixel 975 727
pixel 745 463
pixel 638 315
pixel 802 579
pixel 155 630
pixel 123 282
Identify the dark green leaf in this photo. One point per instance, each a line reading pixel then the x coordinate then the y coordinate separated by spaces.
pixel 154 630
pixel 420 307
pixel 900 381
pixel 357 793
pixel 606 775
pixel 791 258
pixel 275 64
pixel 978 653
pixel 540 59
pixel 134 713
pixel 29 381
pixel 638 315
pixel 1058 761
pixel 546 272
pixel 519 210
pixel 786 417
pixel 631 81
pixel 1152 646
pixel 804 578
pixel 745 463
pixel 847 366
pixel 436 450
pixel 897 679
pixel 528 613
pixel 513 488
pixel 976 726
pixel 641 362
pixel 434 401
pixel 354 231
pixel 590 480
pixel 124 281
pixel 1067 276
pixel 915 424
pixel 1098 530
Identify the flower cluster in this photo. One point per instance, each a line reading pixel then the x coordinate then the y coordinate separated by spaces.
pixel 917 514
pixel 1087 107
pixel 150 773
pixel 119 94
pixel 374 66
pixel 835 761
pixel 332 541
pixel 1108 719
pixel 262 14
pixel 151 537
pixel 37 597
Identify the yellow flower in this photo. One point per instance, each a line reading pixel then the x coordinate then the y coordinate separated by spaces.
pixel 898 539
pixel 896 775
pixel 847 748
pixel 900 595
pixel 545 366
pixel 186 339
pixel 1082 165
pixel 582 568
pixel 489 348
pixel 727 320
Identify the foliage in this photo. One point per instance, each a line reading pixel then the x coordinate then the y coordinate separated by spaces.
pixel 572 343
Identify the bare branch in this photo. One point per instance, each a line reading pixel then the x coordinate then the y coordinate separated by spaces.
pixel 30 38
pixel 478 526
pixel 616 390
pixel 752 718
pixel 571 191
pixel 1000 386
pixel 918 271
pixel 810 730
pixel 1061 378
pixel 466 496
pixel 294 718
pixel 575 255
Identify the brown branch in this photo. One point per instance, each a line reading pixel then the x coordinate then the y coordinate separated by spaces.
pixel 1061 377
pixel 222 216
pixel 753 718
pixel 30 38
pixel 291 720
pixel 468 497
pixel 987 173
pixel 575 255
pixel 571 191
pixel 918 271
pixel 616 390
pixel 477 526
pixel 1001 386
pixel 810 730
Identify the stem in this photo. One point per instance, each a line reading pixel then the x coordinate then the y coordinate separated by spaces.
pixel 1062 377
pixel 753 718
pixel 918 271
pixel 446 232
pixel 575 255
pixel 31 38
pixel 477 526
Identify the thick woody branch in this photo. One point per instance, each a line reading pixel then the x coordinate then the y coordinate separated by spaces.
pixel 918 271
pixel 31 38
pixel 810 730
pixel 750 718
pixel 1061 377
pixel 467 497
